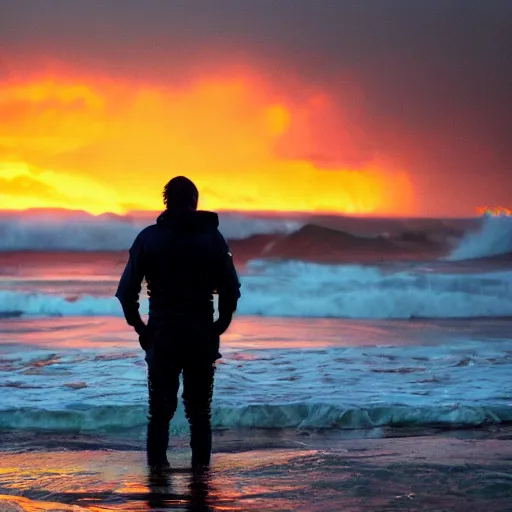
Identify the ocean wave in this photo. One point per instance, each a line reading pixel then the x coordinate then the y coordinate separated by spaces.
pixel 47 231
pixel 351 291
pixel 299 289
pixel 494 238
pixel 321 244
pixel 294 415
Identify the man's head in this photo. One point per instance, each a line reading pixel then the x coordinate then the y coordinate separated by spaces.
pixel 180 194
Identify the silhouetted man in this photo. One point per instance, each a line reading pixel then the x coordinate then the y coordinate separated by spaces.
pixel 184 260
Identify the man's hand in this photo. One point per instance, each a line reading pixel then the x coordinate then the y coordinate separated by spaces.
pixel 222 324
pixel 144 336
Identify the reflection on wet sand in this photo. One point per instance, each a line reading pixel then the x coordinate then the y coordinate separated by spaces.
pixel 161 495
pixel 424 473
pixel 100 481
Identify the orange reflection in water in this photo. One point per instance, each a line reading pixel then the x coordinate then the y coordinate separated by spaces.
pixel 96 481
pixel 351 474
pixel 19 503
pixel 63 266
pixel 246 333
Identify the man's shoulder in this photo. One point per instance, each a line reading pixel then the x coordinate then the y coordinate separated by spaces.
pixel 220 240
pixel 147 231
pixel 143 235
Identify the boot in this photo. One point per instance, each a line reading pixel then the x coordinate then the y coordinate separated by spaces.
pixel 201 444
pixel 157 442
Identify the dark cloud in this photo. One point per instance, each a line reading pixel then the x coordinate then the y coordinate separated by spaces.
pixel 434 76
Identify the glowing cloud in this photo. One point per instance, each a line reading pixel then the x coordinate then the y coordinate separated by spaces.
pixel 103 145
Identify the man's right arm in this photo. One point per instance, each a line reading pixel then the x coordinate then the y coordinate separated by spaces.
pixel 130 286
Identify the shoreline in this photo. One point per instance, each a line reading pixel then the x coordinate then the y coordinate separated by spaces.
pixel 243 439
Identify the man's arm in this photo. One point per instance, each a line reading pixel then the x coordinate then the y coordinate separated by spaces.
pixel 228 286
pixel 130 286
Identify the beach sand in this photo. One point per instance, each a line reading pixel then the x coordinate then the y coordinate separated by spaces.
pixel 380 470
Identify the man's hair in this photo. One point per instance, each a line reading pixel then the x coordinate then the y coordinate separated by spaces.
pixel 180 194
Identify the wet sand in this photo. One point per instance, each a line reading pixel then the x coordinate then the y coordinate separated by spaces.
pixel 466 470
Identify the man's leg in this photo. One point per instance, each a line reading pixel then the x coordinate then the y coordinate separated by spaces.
pixel 198 376
pixel 163 386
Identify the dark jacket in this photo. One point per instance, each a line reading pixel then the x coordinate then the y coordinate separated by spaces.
pixel 184 260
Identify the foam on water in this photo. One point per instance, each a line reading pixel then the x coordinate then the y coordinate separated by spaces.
pixel 459 382
pixel 352 291
pixel 302 289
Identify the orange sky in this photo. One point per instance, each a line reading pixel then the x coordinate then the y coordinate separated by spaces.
pixel 394 108
pixel 103 144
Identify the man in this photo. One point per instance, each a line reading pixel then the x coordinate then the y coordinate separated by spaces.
pixel 184 260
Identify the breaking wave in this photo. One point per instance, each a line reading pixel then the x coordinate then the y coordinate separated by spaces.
pixel 84 232
pixel 493 239
pixel 295 415
pixel 299 289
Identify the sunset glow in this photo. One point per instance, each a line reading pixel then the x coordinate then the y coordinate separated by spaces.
pixel 497 211
pixel 105 145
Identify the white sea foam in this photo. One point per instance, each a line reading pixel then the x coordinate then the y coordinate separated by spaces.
pixel 352 291
pixel 493 238
pixel 460 383
pixel 300 289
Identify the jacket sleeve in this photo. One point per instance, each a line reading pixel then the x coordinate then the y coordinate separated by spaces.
pixel 130 286
pixel 228 284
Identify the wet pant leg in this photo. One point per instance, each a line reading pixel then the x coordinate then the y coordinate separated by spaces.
pixel 163 386
pixel 198 378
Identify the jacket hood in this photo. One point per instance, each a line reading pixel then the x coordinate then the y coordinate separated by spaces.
pixel 190 221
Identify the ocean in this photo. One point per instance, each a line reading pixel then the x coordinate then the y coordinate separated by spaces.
pixel 353 327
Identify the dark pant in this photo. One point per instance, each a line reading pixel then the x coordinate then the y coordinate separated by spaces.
pixel 172 353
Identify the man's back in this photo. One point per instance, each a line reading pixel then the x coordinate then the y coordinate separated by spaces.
pixel 184 260
pixel 181 262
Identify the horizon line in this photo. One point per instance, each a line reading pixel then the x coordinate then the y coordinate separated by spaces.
pixel 480 212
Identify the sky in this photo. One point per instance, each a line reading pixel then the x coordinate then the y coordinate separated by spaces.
pixel 381 107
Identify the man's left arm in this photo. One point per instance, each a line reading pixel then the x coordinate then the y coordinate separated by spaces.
pixel 228 287
pixel 130 286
